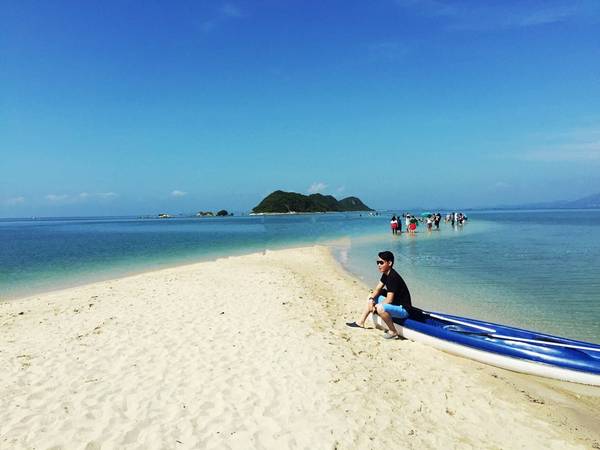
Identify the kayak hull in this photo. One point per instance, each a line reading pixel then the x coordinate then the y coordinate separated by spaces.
pixel 553 357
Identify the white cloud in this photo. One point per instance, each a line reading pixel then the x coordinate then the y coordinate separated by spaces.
pixel 543 16
pixel 230 10
pixel 567 152
pixel 107 195
pixel 79 198
pixel 579 144
pixel 13 201
pixel 340 190
pixel 177 193
pixel 482 16
pixel 317 187
pixel 54 198
pixel 388 51
pixel 582 134
pixel 225 13
pixel 430 7
pixel 208 25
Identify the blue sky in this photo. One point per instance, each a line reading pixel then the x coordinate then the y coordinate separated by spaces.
pixel 132 107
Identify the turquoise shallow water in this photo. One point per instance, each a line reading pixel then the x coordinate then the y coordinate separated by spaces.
pixel 37 255
pixel 537 269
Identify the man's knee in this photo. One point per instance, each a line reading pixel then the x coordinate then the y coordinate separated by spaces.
pixel 380 309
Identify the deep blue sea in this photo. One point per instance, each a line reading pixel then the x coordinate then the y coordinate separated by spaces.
pixel 534 269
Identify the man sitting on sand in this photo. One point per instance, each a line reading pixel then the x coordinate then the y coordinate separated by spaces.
pixel 390 297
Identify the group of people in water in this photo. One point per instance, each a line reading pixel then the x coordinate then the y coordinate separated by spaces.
pixel 430 220
pixel 456 218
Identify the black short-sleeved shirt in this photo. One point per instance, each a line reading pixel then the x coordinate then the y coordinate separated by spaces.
pixel 394 283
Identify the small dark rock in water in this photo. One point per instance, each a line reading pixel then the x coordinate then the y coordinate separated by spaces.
pixel 21 313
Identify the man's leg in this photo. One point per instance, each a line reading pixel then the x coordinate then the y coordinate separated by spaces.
pixel 368 310
pixel 387 318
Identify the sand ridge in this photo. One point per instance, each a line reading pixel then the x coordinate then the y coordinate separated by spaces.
pixel 252 352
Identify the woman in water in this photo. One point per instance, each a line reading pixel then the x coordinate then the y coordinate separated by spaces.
pixel 394 225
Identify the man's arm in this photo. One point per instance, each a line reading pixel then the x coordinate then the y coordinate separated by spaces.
pixel 389 298
pixel 376 291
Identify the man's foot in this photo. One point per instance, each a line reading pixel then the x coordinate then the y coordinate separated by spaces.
pixel 388 335
pixel 354 325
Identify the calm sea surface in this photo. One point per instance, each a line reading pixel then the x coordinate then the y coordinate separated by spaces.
pixel 535 269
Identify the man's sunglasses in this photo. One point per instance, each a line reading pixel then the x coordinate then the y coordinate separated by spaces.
pixel 380 263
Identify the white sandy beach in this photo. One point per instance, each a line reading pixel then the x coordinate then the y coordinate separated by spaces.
pixel 253 352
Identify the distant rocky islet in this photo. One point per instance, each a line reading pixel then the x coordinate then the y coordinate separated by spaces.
pixel 281 202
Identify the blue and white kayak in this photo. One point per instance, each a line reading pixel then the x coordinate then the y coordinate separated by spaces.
pixel 502 346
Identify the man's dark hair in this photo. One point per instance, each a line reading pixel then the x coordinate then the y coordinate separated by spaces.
pixel 386 256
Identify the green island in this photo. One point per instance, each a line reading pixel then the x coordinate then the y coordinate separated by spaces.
pixel 280 202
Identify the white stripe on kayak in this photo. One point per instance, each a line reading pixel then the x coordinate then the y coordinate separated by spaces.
pixel 535 341
pixel 467 324
pixel 511 338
